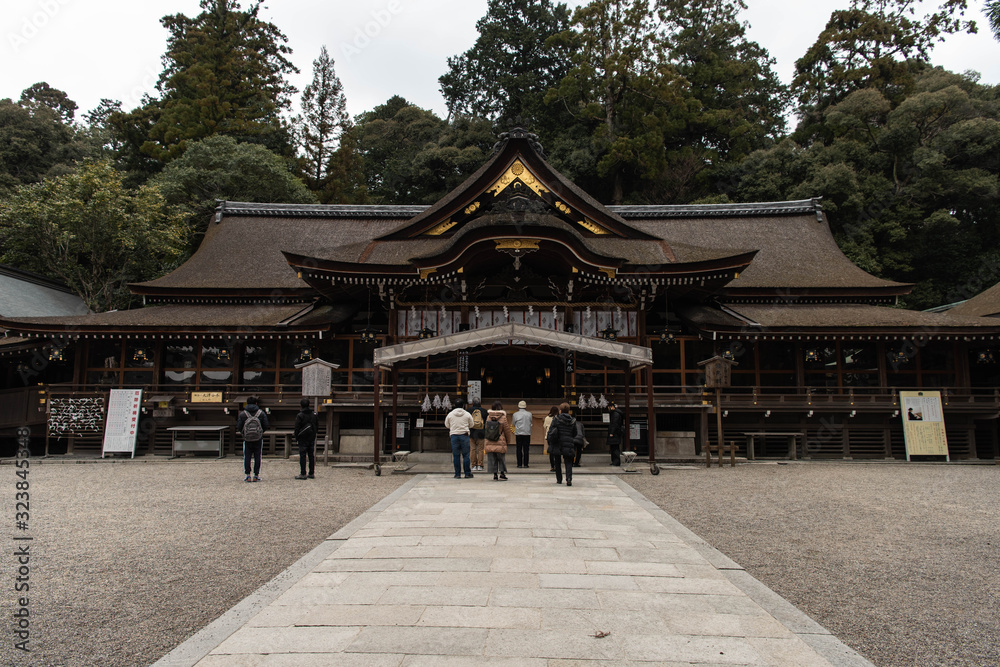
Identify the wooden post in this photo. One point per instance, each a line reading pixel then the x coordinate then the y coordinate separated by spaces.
pixel 375 407
pixel 651 418
pixel 718 421
pixel 328 442
pixel 395 396
pixel 628 420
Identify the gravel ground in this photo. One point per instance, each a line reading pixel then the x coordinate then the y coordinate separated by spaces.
pixel 129 559
pixel 900 561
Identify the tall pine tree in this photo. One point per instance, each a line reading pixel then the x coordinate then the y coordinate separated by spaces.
pixel 224 73
pixel 324 120
pixel 505 75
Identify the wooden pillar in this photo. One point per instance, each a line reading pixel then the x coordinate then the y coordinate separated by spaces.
pixel 395 402
pixel 703 432
pixel 332 431
pixel 628 420
pixel 651 416
pixel 376 371
pixel 569 382
pixel 718 422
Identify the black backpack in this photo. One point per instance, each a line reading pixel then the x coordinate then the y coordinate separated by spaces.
pixel 492 429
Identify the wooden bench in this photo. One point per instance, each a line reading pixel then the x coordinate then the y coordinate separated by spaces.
pixel 711 448
pixel 200 442
pixel 272 434
pixel 751 436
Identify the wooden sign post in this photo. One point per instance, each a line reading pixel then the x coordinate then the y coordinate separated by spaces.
pixel 718 374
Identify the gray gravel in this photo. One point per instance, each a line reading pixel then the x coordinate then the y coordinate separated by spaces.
pixel 899 561
pixel 131 558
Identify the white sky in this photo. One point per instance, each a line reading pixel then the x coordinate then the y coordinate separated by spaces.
pixel 111 48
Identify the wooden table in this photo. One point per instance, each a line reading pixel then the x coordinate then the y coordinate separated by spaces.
pixel 206 438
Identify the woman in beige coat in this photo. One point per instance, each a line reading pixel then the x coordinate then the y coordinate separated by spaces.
pixel 496 450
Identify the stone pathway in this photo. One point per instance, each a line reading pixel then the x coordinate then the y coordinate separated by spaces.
pixel 524 572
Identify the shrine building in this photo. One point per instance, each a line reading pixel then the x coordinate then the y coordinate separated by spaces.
pixel 516 286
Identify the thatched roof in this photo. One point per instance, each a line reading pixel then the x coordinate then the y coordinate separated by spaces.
pixel 796 249
pixel 183 318
pixel 984 304
pixel 770 319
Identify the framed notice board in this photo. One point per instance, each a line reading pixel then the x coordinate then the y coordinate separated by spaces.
pixel 923 424
pixel 122 424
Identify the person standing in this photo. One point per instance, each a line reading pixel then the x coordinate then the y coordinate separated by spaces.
pixel 251 425
pixel 458 423
pixel 579 441
pixel 522 433
pixel 546 425
pixel 306 426
pixel 562 443
pixel 616 429
pixel 477 435
pixel 496 435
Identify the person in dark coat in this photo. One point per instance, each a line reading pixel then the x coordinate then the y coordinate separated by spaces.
pixel 252 446
pixel 616 429
pixel 562 437
pixel 305 429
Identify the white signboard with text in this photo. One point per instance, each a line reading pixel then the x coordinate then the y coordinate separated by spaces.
pixel 923 424
pixel 122 424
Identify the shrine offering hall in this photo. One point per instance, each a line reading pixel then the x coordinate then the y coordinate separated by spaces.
pixel 515 286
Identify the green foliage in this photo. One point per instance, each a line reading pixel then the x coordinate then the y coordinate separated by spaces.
pixel 44 95
pixel 224 74
pixel 878 44
pixel 505 75
pixel 912 189
pixel 411 156
pixel 92 232
pixel 36 139
pixel 220 168
pixel 622 92
pixel 345 172
pixel 992 9
pixel 324 119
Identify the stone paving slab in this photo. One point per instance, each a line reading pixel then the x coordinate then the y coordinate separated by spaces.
pixel 522 573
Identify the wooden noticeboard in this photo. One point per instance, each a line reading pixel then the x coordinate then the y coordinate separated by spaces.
pixel 122 424
pixel 923 424
pixel 317 378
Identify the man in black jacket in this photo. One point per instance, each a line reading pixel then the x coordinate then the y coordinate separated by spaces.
pixel 616 429
pixel 306 425
pixel 562 438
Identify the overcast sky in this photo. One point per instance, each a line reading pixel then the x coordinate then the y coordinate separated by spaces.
pixel 111 48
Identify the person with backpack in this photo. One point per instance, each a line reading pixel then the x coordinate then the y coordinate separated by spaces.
pixel 251 425
pixel 497 433
pixel 563 436
pixel 458 422
pixel 477 435
pixel 305 429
